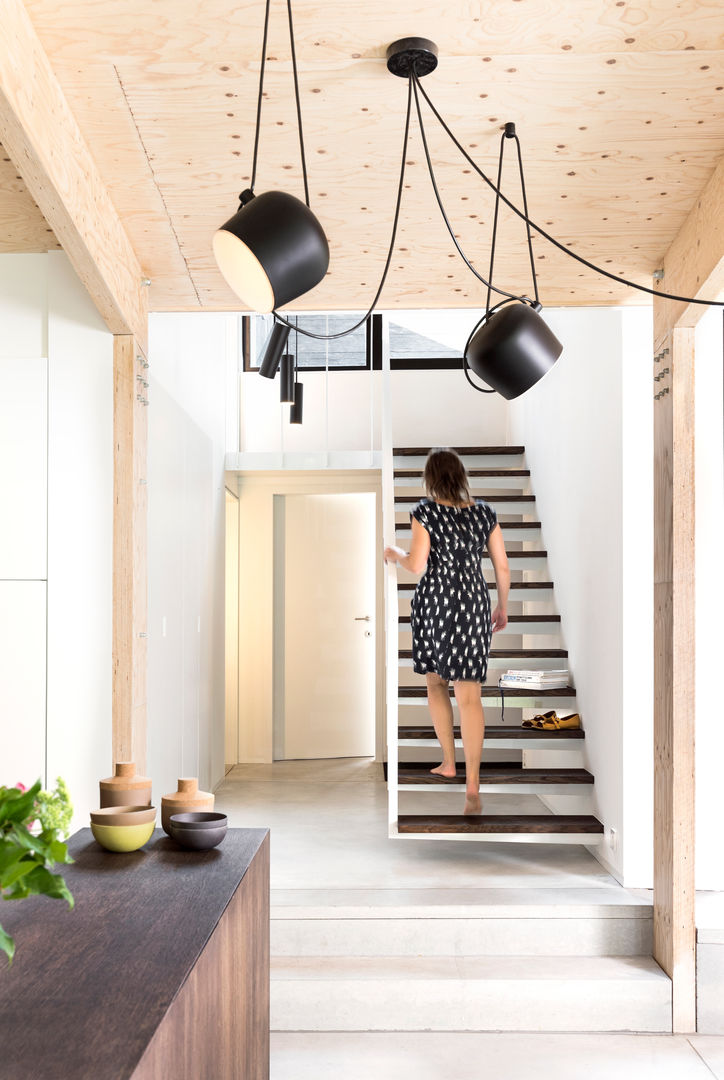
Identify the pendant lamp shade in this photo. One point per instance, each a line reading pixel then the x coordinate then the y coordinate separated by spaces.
pixel 286 385
pixel 513 349
pixel 272 250
pixel 274 349
pixel 295 413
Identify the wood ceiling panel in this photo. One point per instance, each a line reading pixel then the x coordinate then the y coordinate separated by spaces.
pixel 209 30
pixel 23 229
pixel 618 106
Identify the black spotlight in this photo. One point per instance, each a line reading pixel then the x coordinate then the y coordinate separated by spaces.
pixel 274 349
pixel 295 413
pixel 272 250
pixel 513 349
pixel 286 388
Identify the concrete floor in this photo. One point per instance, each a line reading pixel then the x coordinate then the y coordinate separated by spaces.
pixel 328 822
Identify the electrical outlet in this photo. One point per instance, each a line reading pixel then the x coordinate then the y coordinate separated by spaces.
pixel 613 839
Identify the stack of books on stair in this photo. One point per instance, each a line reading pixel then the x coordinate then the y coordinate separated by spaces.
pixel 535 680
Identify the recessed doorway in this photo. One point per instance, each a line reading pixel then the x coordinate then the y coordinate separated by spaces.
pixel 325 558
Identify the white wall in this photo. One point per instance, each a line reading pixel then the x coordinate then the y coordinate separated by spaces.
pixel 192 369
pixel 587 429
pixel 343 411
pixel 709 598
pixel 56 481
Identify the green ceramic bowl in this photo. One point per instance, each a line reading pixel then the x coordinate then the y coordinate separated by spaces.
pixel 122 837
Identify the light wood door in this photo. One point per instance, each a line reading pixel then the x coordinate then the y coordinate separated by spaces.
pixel 328 645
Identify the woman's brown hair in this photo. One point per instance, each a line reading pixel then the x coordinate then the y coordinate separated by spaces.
pixel 445 477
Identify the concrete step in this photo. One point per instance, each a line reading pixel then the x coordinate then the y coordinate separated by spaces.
pixel 469 993
pixel 478 922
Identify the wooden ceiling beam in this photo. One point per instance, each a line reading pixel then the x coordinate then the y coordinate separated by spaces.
pixel 40 133
pixel 694 264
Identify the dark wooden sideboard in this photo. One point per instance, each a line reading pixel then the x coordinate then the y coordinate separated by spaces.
pixel 161 971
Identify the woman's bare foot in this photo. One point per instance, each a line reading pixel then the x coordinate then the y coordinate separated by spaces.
pixel 472 805
pixel 448 771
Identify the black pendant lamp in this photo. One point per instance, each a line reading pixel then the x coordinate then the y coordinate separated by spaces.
pixel 286 385
pixel 295 413
pixel 273 249
pixel 274 348
pixel 511 348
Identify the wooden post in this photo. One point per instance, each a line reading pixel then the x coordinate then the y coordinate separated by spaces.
pixel 130 572
pixel 674 669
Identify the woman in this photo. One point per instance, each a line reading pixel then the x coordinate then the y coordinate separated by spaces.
pixel 452 625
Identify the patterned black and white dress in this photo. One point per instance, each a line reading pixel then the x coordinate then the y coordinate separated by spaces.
pixel 450 614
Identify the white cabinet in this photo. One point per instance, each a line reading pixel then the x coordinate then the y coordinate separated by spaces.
pixel 22 682
pixel 23 468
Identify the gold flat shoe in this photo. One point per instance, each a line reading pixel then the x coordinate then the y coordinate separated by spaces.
pixel 560 723
pixel 540 719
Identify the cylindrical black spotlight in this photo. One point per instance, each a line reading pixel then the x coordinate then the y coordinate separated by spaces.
pixel 272 250
pixel 513 349
pixel 295 413
pixel 274 349
pixel 286 386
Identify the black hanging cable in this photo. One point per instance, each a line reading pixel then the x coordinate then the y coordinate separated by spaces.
pixel 298 104
pixel 430 169
pixel 260 96
pixel 395 220
pixel 527 220
pixel 551 239
pixel 495 224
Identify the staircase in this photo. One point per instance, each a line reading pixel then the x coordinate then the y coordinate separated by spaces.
pixel 543 771
pixel 495 959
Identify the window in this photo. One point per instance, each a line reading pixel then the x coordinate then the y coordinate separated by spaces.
pixel 429 339
pixel 350 353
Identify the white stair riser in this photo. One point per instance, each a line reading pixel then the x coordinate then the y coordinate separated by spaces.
pixel 537 703
pixel 462 937
pixel 519 507
pixel 495 663
pixel 528 562
pixel 588 839
pixel 541 749
pixel 534 596
pixel 549 630
pixel 531 534
pixel 468 1004
pixel 470 461
pixel 481 487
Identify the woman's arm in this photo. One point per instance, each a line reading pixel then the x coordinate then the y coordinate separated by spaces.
pixel 416 559
pixel 496 548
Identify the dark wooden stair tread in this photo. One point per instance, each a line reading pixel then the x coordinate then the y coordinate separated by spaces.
pixel 494 691
pixel 496 772
pixel 512 619
pixel 498 823
pixel 506 526
pixel 514 654
pixel 519 586
pixel 493 498
pixel 480 473
pixel 492 733
pixel 422 451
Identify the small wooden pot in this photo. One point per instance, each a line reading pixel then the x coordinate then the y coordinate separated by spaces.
pixel 126 788
pixel 186 800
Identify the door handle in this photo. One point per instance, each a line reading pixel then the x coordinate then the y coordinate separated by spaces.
pixel 362 618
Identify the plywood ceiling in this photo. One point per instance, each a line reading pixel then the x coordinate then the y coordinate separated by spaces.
pixel 618 105
pixel 22 226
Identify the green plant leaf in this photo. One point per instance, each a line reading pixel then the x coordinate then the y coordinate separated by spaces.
pixel 19 806
pixel 40 882
pixel 14 873
pixel 7 945
pixel 9 854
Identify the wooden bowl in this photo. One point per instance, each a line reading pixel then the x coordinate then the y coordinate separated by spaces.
pixel 123 815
